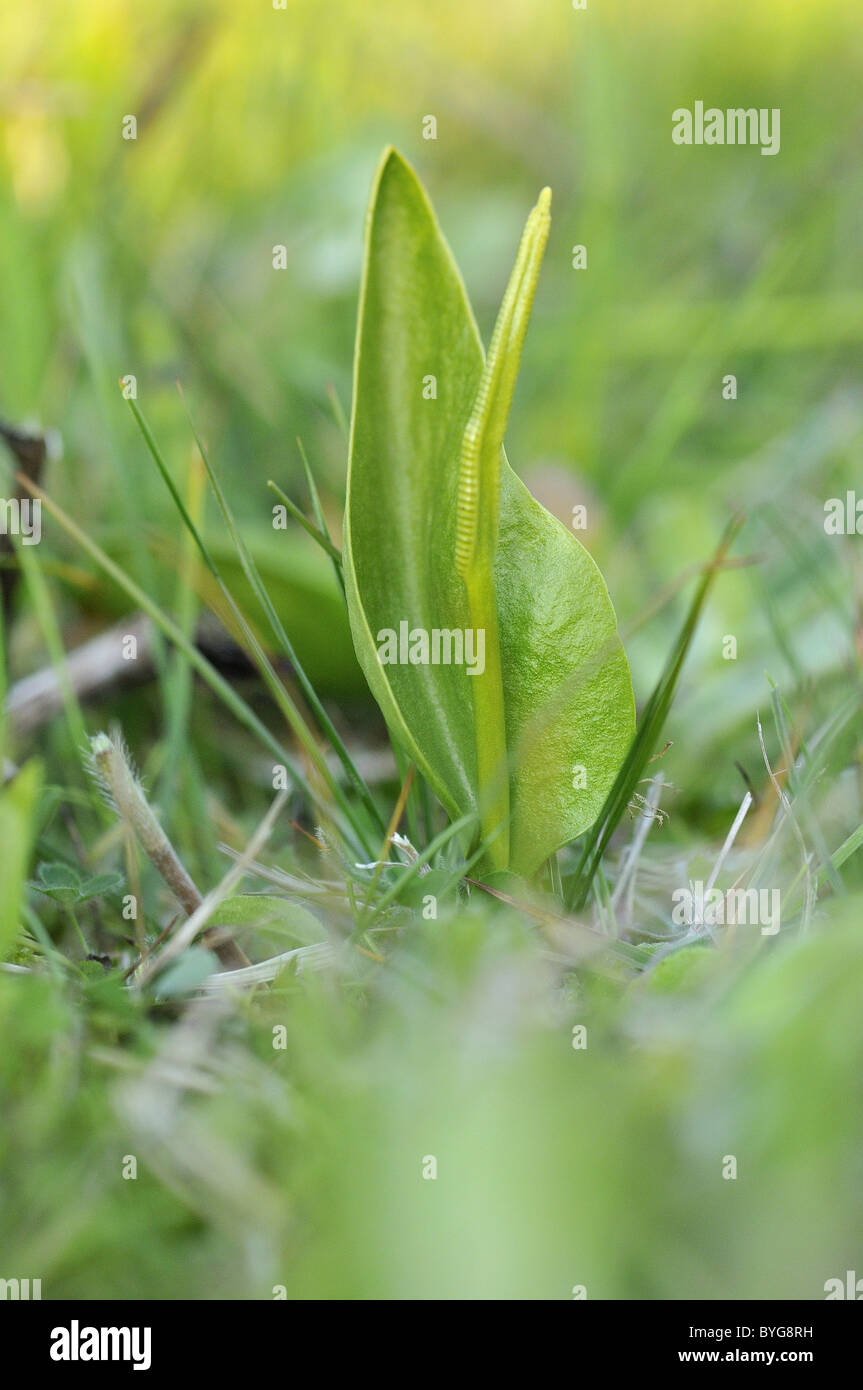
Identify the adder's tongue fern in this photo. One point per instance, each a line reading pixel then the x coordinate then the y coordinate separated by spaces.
pixel 477 521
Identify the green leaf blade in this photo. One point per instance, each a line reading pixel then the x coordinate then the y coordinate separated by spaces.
pixel 569 698
pixel 403 481
pixel 18 812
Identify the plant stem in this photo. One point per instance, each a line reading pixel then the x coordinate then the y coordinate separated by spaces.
pixel 76 924
pixel 116 775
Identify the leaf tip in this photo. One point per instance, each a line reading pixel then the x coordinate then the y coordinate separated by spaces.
pixel 392 164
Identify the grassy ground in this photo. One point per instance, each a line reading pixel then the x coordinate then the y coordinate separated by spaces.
pixel 158 1142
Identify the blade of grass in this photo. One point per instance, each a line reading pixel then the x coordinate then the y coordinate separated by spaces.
pixel 252 573
pixel 790 815
pixel 395 821
pixel 847 848
pixel 3 690
pixel 412 869
pixel 782 719
pixel 195 923
pixel 823 876
pixel 317 535
pixel 99 348
pixel 646 736
pixel 178 678
pixel 283 700
pixel 338 411
pixel 226 693
pixel 50 628
pixel 814 769
pixel 403 764
pixel 318 511
pixel 624 950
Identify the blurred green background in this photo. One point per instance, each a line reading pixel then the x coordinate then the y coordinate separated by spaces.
pixel 260 127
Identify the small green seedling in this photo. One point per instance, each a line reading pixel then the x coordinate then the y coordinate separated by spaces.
pixel 70 888
pixel 484 628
